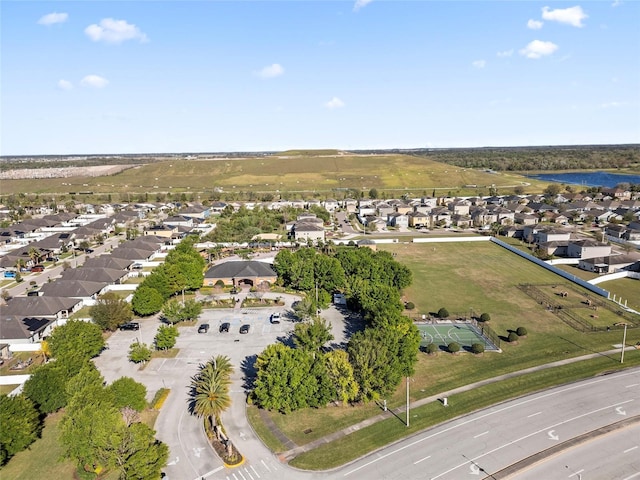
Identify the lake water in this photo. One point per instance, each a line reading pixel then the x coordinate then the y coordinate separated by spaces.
pixel 588 179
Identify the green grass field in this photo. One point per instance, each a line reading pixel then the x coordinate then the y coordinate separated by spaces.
pixel 299 174
pixel 464 278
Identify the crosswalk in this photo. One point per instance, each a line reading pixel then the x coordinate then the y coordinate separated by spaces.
pixel 264 469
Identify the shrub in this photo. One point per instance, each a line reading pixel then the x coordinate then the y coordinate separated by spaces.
pixel 409 306
pixel 513 337
pixel 443 313
pixel 521 331
pixel 219 283
pixel 432 349
pixel 485 317
pixel 159 398
pixel 453 347
pixel 477 348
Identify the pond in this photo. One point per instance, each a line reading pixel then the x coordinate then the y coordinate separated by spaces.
pixel 588 179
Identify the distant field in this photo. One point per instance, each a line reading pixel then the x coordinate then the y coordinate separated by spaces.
pixel 290 175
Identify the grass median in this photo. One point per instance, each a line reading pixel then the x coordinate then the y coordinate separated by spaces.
pixel 381 434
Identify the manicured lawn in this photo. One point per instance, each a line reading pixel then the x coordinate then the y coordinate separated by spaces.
pixel 627 288
pixel 382 433
pixel 42 459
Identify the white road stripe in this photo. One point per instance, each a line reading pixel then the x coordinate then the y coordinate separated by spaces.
pixel 534 414
pixel 527 436
pixel 494 412
pixel 631 476
pixel 265 465
pixel 632 385
pixel 576 473
pixel 255 471
pixel 481 434
pixel 630 449
pixel 421 460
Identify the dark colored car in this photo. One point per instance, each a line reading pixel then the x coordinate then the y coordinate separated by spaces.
pixel 37 268
pixel 244 329
pixel 130 326
pixel 204 328
pixel 224 327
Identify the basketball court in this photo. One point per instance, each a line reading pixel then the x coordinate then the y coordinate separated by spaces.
pixel 442 334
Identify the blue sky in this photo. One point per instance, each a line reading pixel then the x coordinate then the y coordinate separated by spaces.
pixel 208 76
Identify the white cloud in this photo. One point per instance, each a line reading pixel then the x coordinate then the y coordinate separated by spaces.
pixel 538 49
pixel 571 16
pixel 52 18
pixel 334 103
pixel 271 71
pixel 534 24
pixel 616 3
pixel 64 84
pixel 479 63
pixel 612 105
pixel 361 4
pixel 114 31
pixel 505 53
pixel 94 81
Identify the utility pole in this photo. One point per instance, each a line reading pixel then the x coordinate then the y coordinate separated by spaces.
pixel 407 401
pixel 624 339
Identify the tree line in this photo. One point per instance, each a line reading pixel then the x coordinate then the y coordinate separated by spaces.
pixel 308 374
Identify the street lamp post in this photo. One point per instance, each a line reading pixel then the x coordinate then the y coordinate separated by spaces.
pixel 624 339
pixel 407 401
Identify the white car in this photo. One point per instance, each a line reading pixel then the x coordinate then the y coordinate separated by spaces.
pixel 275 318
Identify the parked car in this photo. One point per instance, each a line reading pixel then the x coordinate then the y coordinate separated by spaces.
pixel 224 327
pixel 130 326
pixel 9 274
pixel 37 268
pixel 244 328
pixel 275 318
pixel 204 328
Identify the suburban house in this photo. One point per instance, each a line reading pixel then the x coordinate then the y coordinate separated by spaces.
pixel 49 307
pixel 418 219
pixel 108 261
pixel 304 231
pixel 587 249
pixel 88 274
pixel 87 291
pixel 240 273
pixel 609 264
pixel 20 329
pixel 398 220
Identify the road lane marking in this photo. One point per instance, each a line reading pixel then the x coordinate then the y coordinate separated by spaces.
pixel 421 460
pixel 200 477
pixel 247 472
pixel 534 414
pixel 265 465
pixel 481 434
pixel 576 473
pixel 255 471
pixel 527 436
pixel 631 476
pixel 630 449
pixel 632 385
pixel 493 412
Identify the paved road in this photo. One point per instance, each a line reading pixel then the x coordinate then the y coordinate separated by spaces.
pixel 488 441
pixel 616 455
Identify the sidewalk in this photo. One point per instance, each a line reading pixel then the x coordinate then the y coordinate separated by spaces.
pixel 293 452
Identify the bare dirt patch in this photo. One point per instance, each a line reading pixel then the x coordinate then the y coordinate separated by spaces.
pixel 63 172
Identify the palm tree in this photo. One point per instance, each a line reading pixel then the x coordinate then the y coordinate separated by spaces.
pixel 34 255
pixel 211 391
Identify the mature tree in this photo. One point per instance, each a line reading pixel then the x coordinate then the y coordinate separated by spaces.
pixel 126 392
pixel 46 387
pixel 166 337
pixel 139 456
pixel 87 429
pixel 552 190
pixel 110 311
pixel 76 338
pixel 176 281
pixel 341 376
pixel 211 391
pixel 312 335
pixel 305 308
pixel 158 281
pixel 146 301
pixel 87 376
pixel 139 352
pixel 19 425
pixel 191 309
pixel 288 379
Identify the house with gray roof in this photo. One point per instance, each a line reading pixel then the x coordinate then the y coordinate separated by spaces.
pixel 87 291
pixel 107 275
pixel 48 307
pixel 23 329
pixel 240 272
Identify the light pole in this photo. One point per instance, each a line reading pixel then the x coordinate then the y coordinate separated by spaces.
pixel 407 402
pixel 624 339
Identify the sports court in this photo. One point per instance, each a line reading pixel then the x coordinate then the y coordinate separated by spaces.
pixel 443 334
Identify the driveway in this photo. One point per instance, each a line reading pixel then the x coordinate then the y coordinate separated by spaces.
pixel 191 457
